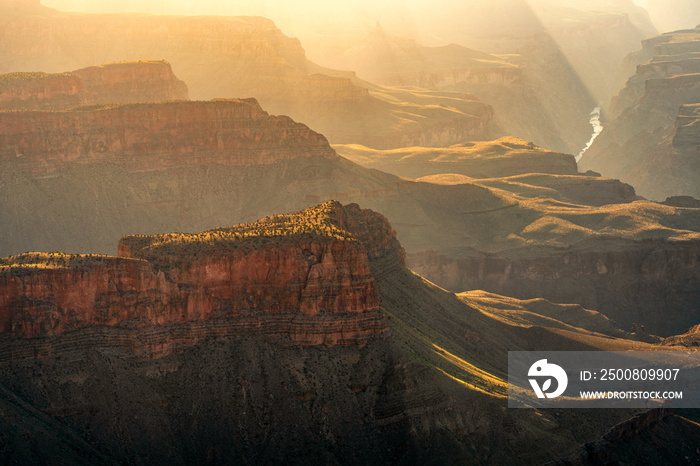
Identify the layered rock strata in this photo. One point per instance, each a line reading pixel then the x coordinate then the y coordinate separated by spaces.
pixel 302 279
pixel 155 136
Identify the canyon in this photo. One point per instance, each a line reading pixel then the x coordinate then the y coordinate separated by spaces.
pixel 650 139
pixel 311 284
pixel 93 175
pixel 131 373
pixel 525 59
pixel 188 319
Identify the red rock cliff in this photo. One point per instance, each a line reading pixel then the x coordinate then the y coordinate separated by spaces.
pixel 156 136
pixel 303 278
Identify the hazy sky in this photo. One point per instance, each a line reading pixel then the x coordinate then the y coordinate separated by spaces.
pixel 298 18
pixel 316 22
pixel 247 7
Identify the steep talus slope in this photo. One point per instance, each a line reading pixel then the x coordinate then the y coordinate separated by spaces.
pixel 129 82
pixel 432 388
pixel 640 144
pixel 243 57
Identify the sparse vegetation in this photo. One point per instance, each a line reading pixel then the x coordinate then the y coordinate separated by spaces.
pixel 49 260
pixel 319 221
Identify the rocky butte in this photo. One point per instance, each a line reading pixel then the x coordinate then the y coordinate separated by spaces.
pixel 302 278
pixel 128 82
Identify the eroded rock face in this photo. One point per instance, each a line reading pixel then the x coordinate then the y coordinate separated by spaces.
pixel 297 286
pixel 156 136
pixel 129 82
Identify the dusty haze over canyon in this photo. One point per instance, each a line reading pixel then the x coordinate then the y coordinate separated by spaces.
pixel 311 232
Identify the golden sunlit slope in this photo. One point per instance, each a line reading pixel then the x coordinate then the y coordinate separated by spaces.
pixel 469 334
pixel 503 157
pixel 508 164
pixel 542 313
pixel 463 342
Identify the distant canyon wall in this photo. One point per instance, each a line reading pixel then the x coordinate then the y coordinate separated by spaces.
pixel 129 82
pixel 155 136
pixel 650 282
pixel 242 57
pixel 640 143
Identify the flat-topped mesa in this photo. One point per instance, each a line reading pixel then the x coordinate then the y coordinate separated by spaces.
pixel 155 136
pixel 127 82
pixel 131 82
pixel 231 57
pixel 302 278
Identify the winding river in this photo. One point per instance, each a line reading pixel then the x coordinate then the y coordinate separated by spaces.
pixel 597 128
